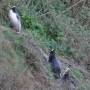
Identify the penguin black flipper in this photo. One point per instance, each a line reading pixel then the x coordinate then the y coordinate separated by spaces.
pixel 17 16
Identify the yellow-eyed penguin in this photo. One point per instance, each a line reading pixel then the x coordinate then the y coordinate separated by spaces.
pixel 55 64
pixel 15 19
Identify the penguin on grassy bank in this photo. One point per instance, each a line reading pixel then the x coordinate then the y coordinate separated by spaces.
pixel 66 73
pixel 55 64
pixel 15 19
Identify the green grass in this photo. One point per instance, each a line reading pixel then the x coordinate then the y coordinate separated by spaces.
pixel 67 35
pixel 79 76
pixel 9 53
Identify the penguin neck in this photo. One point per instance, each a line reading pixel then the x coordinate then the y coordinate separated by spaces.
pixel 51 58
pixel 11 11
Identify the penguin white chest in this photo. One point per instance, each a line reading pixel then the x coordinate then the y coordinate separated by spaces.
pixel 13 17
pixel 15 21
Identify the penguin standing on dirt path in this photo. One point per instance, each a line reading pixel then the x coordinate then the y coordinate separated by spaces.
pixel 55 64
pixel 15 19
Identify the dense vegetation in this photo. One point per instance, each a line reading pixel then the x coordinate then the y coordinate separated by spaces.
pixel 61 24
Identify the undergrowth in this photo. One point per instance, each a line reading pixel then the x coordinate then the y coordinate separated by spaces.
pixel 51 25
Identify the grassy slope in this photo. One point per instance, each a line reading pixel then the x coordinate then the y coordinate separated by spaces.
pixel 19 62
pixel 19 51
pixel 8 52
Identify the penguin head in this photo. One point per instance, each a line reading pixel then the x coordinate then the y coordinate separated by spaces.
pixel 51 55
pixel 52 52
pixel 14 9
